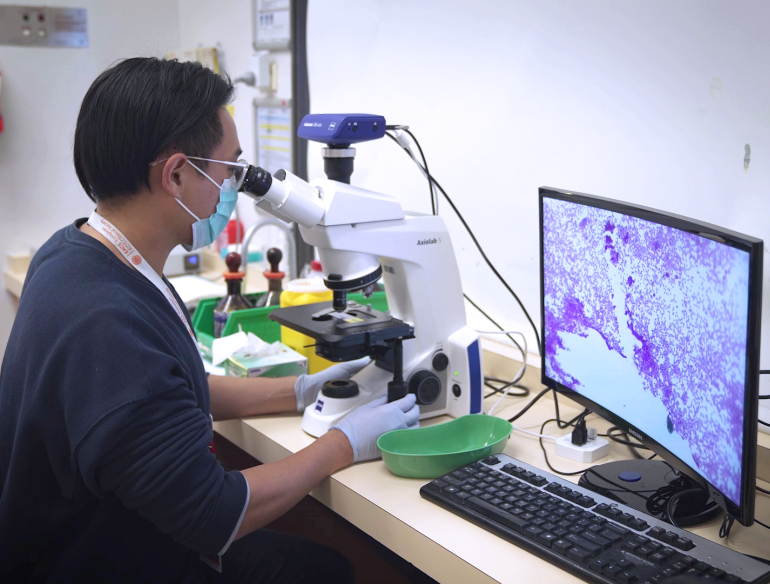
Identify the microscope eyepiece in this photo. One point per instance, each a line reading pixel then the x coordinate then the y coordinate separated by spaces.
pixel 256 181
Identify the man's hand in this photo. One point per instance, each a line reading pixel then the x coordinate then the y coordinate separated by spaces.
pixel 364 425
pixel 308 386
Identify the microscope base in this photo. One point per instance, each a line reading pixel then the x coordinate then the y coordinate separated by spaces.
pixel 327 411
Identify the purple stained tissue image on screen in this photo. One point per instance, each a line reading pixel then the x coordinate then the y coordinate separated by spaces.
pixel 650 322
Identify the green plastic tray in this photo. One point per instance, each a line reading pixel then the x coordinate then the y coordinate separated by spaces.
pixel 255 320
pixel 431 452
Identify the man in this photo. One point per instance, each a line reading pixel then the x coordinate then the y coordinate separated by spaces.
pixel 105 409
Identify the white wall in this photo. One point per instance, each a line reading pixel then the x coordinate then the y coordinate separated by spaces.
pixel 648 101
pixel 42 92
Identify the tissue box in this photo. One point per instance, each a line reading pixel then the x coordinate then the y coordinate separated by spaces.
pixel 286 363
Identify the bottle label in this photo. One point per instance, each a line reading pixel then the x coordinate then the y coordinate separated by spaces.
pixel 220 320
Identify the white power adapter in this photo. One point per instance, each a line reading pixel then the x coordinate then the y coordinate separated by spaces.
pixel 591 451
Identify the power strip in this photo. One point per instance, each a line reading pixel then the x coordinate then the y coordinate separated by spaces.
pixel 591 451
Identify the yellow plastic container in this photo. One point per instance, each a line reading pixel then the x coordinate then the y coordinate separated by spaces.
pixel 304 291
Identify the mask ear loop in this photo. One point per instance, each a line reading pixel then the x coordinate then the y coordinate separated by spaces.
pixel 204 174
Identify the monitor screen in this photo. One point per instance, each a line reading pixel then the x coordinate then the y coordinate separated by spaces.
pixel 651 322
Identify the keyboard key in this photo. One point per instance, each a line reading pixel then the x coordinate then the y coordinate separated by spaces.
pixel 595 528
pixel 579 554
pixel 625 564
pixel 656 532
pixel 560 531
pixel 449 491
pixel 436 485
pixel 613 513
pixel 572 496
pixel 683 543
pixel 626 578
pixel 538 521
pixel 598 565
pixel 658 558
pixel 459 474
pixel 547 538
pixel 632 547
pixel 562 546
pixel 733 579
pixel 539 481
pixel 532 531
pixel 613 536
pixel 461 497
pixel 476 492
pixel 468 488
pixel 486 497
pixel 597 540
pixel 669 537
pixel 702 566
pixel 716 573
pixel 510 521
pixel 453 481
pixel 612 570
pixel 584 543
pixel 625 518
pixel 491 460
pixel 495 501
pixel 668 573
pixel 585 501
pixel 548 526
pixel 601 508
pixel 638 524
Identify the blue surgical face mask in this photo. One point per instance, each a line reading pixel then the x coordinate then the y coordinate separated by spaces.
pixel 205 231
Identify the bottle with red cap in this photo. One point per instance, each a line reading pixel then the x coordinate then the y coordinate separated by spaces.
pixel 235 300
pixel 274 279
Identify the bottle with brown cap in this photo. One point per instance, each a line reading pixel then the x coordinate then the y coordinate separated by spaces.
pixel 274 280
pixel 234 299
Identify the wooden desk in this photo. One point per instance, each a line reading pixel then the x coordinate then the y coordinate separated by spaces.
pixel 444 546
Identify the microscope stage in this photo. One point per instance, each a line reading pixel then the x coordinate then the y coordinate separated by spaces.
pixel 346 335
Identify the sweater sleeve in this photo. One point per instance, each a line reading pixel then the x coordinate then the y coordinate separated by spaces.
pixel 153 455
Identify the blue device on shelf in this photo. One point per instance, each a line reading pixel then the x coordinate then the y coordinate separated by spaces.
pixel 341 130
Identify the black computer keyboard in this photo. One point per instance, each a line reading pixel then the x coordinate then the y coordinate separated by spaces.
pixel 588 535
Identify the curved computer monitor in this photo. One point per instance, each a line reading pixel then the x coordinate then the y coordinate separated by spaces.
pixel 652 321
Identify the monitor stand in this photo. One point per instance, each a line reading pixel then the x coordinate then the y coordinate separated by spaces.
pixel 646 485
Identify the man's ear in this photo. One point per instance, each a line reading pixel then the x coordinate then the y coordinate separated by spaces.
pixel 172 178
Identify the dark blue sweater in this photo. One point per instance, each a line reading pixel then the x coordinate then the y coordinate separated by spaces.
pixel 105 470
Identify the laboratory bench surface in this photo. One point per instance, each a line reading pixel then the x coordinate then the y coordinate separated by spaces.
pixel 439 543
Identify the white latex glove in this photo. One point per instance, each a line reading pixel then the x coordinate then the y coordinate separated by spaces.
pixel 308 386
pixel 363 426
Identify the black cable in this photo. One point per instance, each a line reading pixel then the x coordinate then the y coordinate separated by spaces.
pixel 529 405
pixel 763 423
pixel 761 490
pixel 764 371
pixel 433 206
pixel 424 163
pixel 545 454
pixel 671 505
pixel 762 524
pixel 481 251
pixel 727 525
pixel 506 384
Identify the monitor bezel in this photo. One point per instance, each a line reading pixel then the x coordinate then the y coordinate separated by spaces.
pixel 744 512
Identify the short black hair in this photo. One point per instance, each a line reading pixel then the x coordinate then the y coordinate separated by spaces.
pixel 139 109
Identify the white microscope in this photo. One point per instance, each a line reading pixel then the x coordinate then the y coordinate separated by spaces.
pixel 422 344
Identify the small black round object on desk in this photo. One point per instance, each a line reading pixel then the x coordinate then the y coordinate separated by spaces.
pixel 440 361
pixel 340 388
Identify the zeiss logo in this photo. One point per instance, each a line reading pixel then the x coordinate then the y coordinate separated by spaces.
pixel 429 241
pixel 634 434
pixel 319 406
pixel 312 125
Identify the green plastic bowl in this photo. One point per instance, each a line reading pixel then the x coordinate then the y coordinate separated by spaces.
pixel 428 453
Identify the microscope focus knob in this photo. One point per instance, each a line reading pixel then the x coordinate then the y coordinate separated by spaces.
pixel 340 388
pixel 426 386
